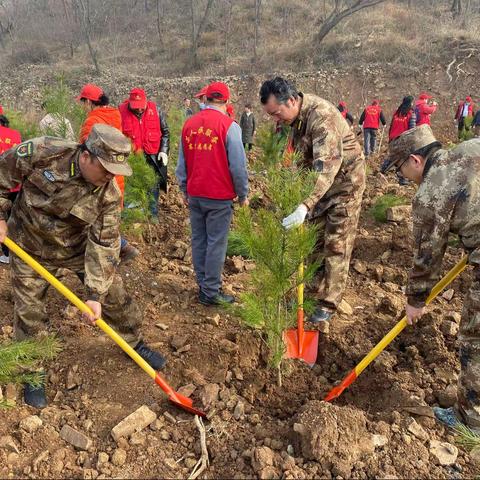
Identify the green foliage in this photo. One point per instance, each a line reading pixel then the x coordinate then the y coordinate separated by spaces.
pixel 272 146
pixel 467 130
pixel 175 119
pixel 19 360
pixel 379 210
pixel 466 437
pixel 270 304
pixel 138 191
pixel 25 123
pixel 235 245
pixel 59 101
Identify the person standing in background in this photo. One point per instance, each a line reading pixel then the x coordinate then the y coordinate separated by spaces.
pixel 248 126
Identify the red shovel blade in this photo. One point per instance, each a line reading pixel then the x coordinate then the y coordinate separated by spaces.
pixel 338 390
pixel 306 351
pixel 177 398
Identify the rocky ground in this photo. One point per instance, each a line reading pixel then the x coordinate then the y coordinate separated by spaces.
pixel 381 427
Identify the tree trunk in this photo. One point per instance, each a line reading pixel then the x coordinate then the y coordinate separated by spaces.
pixel 85 22
pixel 227 30
pixel 258 5
pixel 337 15
pixel 197 32
pixel 159 23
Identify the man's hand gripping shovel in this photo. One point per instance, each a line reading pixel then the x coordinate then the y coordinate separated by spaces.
pixel 390 336
pixel 176 398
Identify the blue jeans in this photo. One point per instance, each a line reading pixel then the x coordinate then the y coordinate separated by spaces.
pixel 369 140
pixel 210 222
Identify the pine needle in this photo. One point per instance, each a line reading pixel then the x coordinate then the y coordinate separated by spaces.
pixel 466 437
pixel 19 360
pixel 6 404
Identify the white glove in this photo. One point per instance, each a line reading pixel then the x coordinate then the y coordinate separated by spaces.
pixel 296 218
pixel 163 158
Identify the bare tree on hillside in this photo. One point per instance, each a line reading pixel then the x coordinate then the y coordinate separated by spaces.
pixel 342 9
pixel 456 7
pixel 84 11
pixel 256 35
pixel 197 30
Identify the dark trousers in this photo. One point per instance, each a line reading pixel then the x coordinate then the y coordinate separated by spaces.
pixel 369 140
pixel 161 184
pixel 248 146
pixel 210 222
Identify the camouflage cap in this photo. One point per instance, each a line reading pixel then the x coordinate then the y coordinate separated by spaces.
pixel 111 147
pixel 405 144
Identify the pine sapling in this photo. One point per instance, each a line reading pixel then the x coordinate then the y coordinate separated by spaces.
pixel 270 304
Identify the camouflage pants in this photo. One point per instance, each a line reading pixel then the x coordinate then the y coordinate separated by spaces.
pixel 337 232
pixel 469 344
pixel 30 291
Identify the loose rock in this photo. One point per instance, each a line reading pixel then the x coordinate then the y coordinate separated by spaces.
pixel 399 213
pixel 445 453
pixel 8 443
pixel 345 308
pixel 209 394
pixel 75 438
pixel 136 421
pixel 31 424
pixel 119 457
pixel 448 294
pixel 415 429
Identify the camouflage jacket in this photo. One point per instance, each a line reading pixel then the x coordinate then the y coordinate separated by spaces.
pixel 58 216
pixel 447 200
pixel 328 146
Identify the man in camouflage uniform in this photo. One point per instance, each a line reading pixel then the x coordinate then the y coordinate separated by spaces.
pixel 328 146
pixel 447 200
pixel 67 216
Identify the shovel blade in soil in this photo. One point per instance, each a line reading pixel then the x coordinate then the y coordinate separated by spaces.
pixel 306 351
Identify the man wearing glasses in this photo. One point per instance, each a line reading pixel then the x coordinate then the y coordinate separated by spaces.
pixel 327 144
pixel 447 200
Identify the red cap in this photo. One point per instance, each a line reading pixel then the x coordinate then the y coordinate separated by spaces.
pixel 468 99
pixel 90 92
pixel 202 92
pixel 1 110
pixel 424 96
pixel 219 91
pixel 230 111
pixel 137 99
pixel 342 104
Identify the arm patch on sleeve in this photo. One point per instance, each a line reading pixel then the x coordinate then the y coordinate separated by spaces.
pixel 24 149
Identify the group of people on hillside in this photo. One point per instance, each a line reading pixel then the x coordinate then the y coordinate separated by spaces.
pixel 410 113
pixel 73 190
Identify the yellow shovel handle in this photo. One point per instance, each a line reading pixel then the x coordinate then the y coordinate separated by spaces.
pixel 382 344
pixel 19 252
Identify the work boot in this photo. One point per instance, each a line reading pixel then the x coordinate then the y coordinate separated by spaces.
pixel 154 359
pixel 321 317
pixel 35 396
pixel 447 416
pixel 4 259
pixel 219 299
pixel 128 253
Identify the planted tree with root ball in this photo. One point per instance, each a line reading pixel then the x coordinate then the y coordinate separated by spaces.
pixel 270 305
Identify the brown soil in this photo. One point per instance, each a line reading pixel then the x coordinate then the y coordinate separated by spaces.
pixel 275 431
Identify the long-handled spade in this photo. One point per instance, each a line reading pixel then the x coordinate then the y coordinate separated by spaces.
pixel 299 343
pixel 176 398
pixel 396 330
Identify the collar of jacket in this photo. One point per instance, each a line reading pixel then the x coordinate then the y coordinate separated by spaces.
pixel 430 161
pixel 305 107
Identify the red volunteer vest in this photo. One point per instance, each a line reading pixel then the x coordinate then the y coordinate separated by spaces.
pixel 204 138
pixel 372 116
pixel 399 125
pixel 9 138
pixel 145 133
